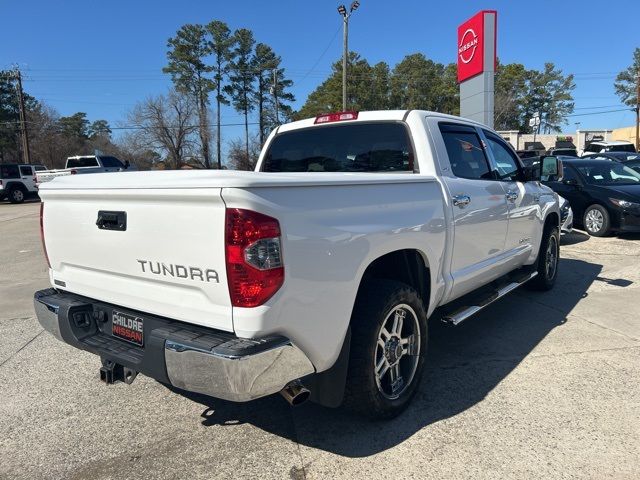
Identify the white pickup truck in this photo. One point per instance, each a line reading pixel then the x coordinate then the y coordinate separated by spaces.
pixel 313 276
pixel 85 164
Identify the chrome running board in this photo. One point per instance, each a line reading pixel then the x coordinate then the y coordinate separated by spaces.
pixel 461 314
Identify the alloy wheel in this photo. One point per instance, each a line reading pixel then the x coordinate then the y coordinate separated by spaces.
pixel 18 196
pixel 551 259
pixel 397 351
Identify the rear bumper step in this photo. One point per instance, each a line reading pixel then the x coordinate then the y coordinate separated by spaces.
pixel 189 357
pixel 462 313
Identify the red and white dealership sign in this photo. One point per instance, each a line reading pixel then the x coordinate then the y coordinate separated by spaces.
pixel 471 45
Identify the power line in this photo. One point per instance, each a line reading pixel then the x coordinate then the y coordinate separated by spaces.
pixel 322 54
pixel 599 113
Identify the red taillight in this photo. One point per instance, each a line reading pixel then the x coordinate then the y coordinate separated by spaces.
pixel 254 259
pixel 336 117
pixel 44 245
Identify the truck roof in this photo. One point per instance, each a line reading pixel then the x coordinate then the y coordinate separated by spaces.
pixel 377 115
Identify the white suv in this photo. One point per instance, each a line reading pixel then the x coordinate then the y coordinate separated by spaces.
pixel 611 146
pixel 17 181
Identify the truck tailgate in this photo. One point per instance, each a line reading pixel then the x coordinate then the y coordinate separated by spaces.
pixel 169 260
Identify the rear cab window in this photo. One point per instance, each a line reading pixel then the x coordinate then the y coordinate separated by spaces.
pixel 593 148
pixel 622 148
pixel 82 162
pixel 351 147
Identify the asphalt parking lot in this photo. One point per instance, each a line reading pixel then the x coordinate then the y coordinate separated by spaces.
pixel 539 385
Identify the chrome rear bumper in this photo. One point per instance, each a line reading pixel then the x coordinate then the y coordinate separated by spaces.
pixel 237 378
pixel 188 357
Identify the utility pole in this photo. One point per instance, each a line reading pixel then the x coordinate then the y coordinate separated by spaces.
pixel 342 10
pixel 345 52
pixel 275 95
pixel 23 119
pixel 638 111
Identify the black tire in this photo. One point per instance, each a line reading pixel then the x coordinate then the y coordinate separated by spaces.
pixel 16 195
pixel 547 267
pixel 374 308
pixel 596 221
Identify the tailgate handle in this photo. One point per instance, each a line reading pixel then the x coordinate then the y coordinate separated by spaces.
pixel 112 220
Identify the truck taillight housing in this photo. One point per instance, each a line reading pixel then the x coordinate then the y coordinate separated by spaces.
pixel 255 269
pixel 44 245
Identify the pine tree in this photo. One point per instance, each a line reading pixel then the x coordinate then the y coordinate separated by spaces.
pixel 242 76
pixel 189 73
pixel 221 43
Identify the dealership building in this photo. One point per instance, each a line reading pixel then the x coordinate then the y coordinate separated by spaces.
pixel 579 140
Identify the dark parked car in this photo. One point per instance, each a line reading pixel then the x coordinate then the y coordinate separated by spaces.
pixel 604 195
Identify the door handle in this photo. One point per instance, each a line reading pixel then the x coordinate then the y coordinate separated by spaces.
pixel 511 195
pixel 112 220
pixel 461 200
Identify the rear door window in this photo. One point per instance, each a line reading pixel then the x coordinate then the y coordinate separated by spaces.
pixel 357 147
pixel 466 155
pixel 9 171
pixel 26 171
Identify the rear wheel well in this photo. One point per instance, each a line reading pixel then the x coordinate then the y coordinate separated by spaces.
pixel 16 185
pixel 406 266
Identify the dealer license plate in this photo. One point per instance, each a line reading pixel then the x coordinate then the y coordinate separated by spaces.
pixel 127 327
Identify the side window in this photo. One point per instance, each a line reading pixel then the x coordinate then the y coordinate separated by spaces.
pixel 9 171
pixel 506 161
pixel 111 162
pixel 592 148
pixel 568 174
pixel 465 152
pixel 26 171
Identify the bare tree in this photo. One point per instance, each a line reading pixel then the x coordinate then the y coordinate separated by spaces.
pixel 166 123
pixel 238 159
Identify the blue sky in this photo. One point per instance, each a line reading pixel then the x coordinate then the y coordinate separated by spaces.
pixel 103 57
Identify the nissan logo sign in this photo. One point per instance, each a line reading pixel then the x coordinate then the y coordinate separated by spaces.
pixel 468 45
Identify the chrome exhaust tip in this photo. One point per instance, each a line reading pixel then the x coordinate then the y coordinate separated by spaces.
pixel 295 393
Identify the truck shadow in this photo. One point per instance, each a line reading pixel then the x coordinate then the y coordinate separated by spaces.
pixel 464 365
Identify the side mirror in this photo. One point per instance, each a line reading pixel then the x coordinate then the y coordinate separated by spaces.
pixel 550 169
pixel 126 164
